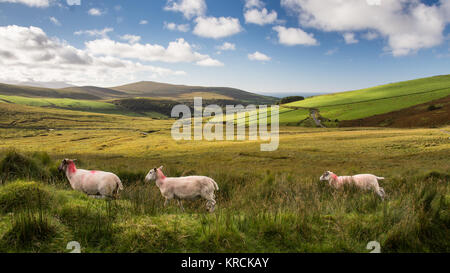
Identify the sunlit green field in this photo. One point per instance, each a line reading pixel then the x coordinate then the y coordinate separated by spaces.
pixel 91 106
pixel 267 202
pixel 378 100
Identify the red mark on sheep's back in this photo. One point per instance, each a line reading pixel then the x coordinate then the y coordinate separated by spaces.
pixel 334 176
pixel 93 172
pixel 72 167
pixel 160 174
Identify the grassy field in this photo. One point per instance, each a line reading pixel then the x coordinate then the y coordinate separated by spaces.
pixel 353 105
pixel 378 100
pixel 334 108
pixel 78 105
pixel 267 202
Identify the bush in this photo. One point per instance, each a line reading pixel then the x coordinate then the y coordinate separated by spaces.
pixel 43 158
pixel 291 99
pixel 23 195
pixel 433 107
pixel 15 166
pixel 90 225
pixel 28 229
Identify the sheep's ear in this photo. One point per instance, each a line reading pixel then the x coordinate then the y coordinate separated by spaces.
pixel 160 167
pixel 154 169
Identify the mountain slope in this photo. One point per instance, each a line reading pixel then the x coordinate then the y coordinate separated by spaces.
pixel 431 114
pixel 377 100
pixel 29 91
pixel 104 93
pixel 184 92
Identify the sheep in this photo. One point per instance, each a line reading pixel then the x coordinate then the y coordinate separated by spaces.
pixel 187 187
pixel 96 184
pixel 362 181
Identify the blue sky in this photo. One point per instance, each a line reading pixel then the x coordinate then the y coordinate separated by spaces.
pixel 270 46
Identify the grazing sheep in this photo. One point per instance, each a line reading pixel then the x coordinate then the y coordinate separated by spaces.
pixel 93 183
pixel 187 187
pixel 362 181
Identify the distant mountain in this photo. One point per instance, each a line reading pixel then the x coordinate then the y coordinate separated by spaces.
pixel 104 93
pixel 184 92
pixel 52 85
pixel 155 90
pixel 28 91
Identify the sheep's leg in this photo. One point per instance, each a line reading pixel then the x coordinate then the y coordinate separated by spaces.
pixel 166 202
pixel 95 196
pixel 180 204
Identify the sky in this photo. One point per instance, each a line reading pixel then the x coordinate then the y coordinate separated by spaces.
pixel 262 46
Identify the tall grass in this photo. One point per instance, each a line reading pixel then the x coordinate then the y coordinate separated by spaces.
pixel 256 212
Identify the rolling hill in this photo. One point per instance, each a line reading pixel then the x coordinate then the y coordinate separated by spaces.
pixel 372 101
pixel 140 90
pixel 39 92
pixel 152 99
pixel 431 114
pixel 184 92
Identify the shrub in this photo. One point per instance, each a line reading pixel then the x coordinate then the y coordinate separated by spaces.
pixel 28 229
pixel 291 99
pixel 433 107
pixel 23 195
pixel 91 226
pixel 15 166
pixel 43 158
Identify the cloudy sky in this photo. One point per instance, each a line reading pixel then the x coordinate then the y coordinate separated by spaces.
pixel 256 45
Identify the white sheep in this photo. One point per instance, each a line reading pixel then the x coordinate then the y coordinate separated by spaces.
pixel 93 183
pixel 362 181
pixel 187 187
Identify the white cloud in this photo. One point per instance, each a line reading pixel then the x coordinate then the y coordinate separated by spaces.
pixel 132 39
pixel 73 2
pixel 349 38
pixel 143 22
pixel 189 8
pixel 176 52
pixel 55 21
pixel 118 7
pixel 370 35
pixel 258 56
pixel 173 26
pixel 96 12
pixel 294 36
pixel 30 3
pixel 408 25
pixel 226 46
pixel 260 17
pixel 28 54
pixel 331 51
pixel 212 27
pixel 95 32
pixel 209 62
pixel 373 2
pixel 253 4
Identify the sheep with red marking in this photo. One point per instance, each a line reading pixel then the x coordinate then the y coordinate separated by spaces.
pixel 93 183
pixel 187 187
pixel 362 181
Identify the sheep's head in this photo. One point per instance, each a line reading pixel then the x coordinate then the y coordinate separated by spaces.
pixel 65 163
pixel 152 174
pixel 325 176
